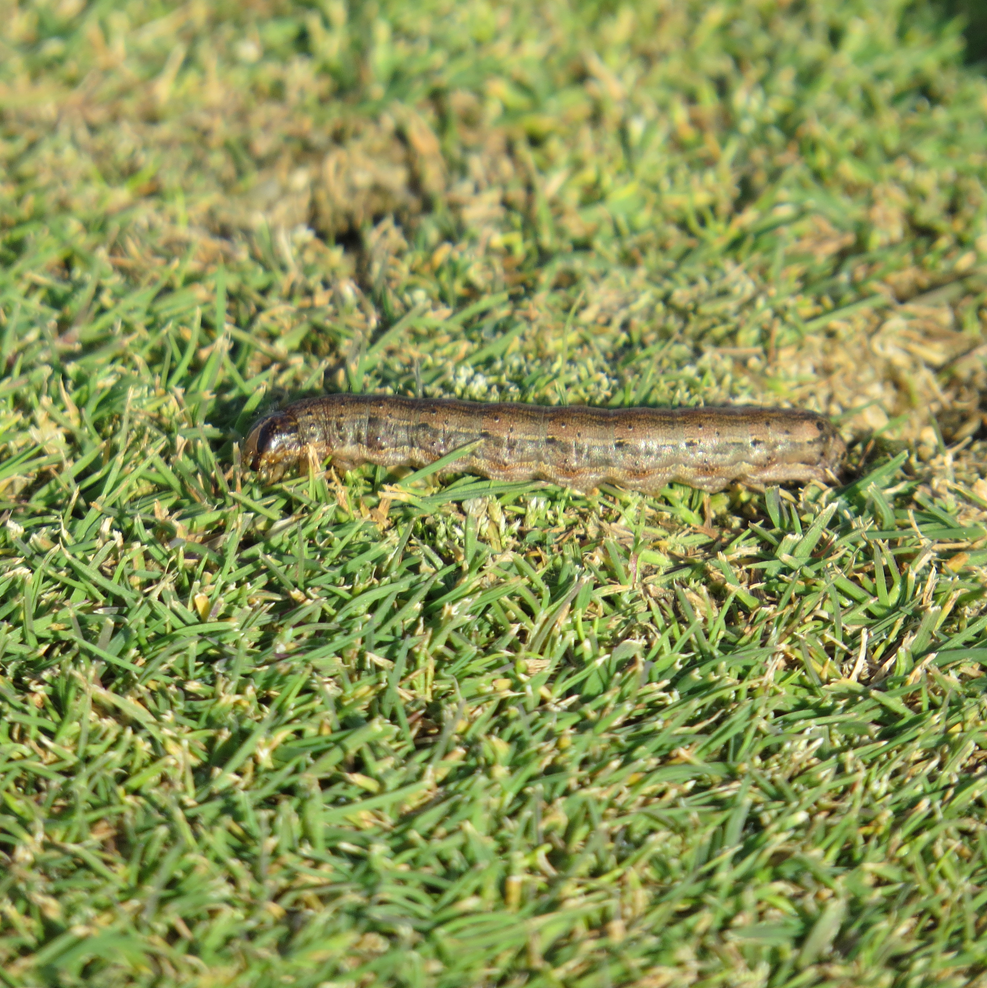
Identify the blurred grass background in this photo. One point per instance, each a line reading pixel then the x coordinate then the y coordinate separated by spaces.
pixel 351 732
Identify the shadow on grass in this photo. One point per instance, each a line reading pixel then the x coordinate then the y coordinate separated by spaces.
pixel 974 15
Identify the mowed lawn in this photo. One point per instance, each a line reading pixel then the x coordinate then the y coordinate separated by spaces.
pixel 357 730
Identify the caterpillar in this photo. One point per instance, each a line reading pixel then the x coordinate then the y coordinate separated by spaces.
pixel 580 447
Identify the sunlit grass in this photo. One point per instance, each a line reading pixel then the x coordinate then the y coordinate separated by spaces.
pixel 362 730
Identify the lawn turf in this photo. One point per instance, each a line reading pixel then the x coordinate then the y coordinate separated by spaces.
pixel 359 731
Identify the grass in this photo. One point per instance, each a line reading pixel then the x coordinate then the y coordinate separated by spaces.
pixel 354 731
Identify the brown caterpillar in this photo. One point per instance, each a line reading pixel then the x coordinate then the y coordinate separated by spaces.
pixel 642 449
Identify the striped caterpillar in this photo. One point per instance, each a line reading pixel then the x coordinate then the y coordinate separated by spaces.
pixel 642 449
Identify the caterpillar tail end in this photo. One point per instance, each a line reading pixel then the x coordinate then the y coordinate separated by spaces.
pixel 835 454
